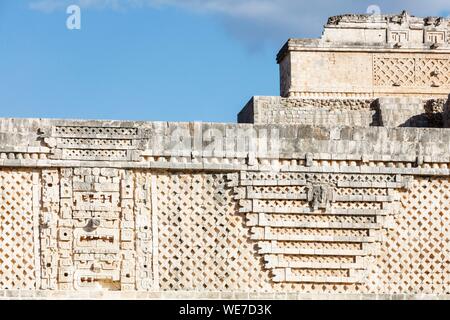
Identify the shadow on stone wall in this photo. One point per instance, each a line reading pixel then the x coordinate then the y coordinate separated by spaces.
pixel 411 113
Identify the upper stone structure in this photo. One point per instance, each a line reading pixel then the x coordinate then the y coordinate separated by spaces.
pixel 367 56
pixel 389 31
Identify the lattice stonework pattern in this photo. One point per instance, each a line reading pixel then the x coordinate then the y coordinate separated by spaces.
pixel 415 253
pixel 394 71
pixel 93 143
pixel 403 71
pixel 17 230
pixel 435 72
pixel 203 242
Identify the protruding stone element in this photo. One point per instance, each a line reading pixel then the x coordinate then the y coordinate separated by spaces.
pixel 319 196
pixel 92 225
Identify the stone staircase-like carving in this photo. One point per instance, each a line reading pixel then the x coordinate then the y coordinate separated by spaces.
pixel 315 227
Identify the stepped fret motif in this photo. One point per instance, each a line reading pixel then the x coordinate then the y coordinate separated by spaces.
pixel 304 223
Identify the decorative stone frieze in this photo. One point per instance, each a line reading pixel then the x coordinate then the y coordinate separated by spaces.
pixel 340 186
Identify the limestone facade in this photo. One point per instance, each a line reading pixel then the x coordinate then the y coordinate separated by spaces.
pixel 308 196
pixel 367 56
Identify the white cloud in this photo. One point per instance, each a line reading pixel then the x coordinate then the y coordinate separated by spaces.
pixel 54 5
pixel 256 21
pixel 45 6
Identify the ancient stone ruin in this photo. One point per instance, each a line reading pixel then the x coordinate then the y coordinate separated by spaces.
pixel 339 186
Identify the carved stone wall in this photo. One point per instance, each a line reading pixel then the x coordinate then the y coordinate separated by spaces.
pixel 366 74
pixel 19 254
pixel 319 112
pixel 108 229
pixel 411 71
pixel 318 232
pixel 323 191
pixel 415 252
pixel 203 241
pixel 94 224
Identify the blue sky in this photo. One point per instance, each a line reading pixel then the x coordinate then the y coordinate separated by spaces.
pixel 174 60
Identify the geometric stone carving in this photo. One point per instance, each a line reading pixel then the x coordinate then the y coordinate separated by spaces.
pixel 102 255
pixel 314 232
pixel 18 269
pixel 146 245
pixel 48 228
pixel 415 253
pixel 398 72
pixel 203 244
pixel 404 71
pixel 307 225
pixel 88 229
pixel 433 72
pixel 93 143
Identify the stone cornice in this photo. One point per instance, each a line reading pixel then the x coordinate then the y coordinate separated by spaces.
pixel 315 45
